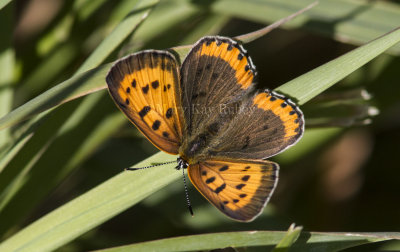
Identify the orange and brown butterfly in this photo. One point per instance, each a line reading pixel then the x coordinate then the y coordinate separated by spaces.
pixel 207 112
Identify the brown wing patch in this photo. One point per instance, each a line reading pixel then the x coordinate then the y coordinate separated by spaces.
pixel 239 189
pixel 143 85
pixel 287 111
pixel 231 52
pixel 215 75
pixel 265 124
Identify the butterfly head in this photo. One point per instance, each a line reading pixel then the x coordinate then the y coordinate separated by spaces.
pixel 182 164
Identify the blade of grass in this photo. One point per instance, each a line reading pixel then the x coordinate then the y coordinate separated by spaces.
pixel 348 21
pixel 7 66
pixel 93 207
pixel 80 134
pixel 309 241
pixel 4 3
pixel 38 168
pixel 70 89
pixel 82 82
pixel 309 85
pixel 119 34
pixel 249 37
pixel 257 34
pixel 289 239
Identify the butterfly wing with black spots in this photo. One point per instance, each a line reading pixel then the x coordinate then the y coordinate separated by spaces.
pixel 144 86
pixel 238 188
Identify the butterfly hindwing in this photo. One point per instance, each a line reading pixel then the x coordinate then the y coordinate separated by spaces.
pixel 143 85
pixel 266 124
pixel 238 188
pixel 216 72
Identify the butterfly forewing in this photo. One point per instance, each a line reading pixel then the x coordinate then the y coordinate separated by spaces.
pixel 143 85
pixel 216 72
pixel 239 189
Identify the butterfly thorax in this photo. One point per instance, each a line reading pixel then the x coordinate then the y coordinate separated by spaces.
pixel 196 148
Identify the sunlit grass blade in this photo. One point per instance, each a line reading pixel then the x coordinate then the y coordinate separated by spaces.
pixel 257 34
pixel 307 241
pixel 348 21
pixel 249 37
pixel 83 82
pixel 119 34
pixel 93 207
pixel 309 85
pixel 4 3
pixel 7 66
pixel 70 89
pixel 289 239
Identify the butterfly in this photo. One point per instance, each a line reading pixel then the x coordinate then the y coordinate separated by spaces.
pixel 208 112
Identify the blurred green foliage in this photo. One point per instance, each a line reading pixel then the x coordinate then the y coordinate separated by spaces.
pixel 342 177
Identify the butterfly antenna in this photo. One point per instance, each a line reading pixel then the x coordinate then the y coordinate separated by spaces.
pixel 187 193
pixel 150 166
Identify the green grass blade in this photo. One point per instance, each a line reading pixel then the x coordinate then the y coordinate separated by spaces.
pixel 310 84
pixel 289 239
pixel 93 207
pixel 83 82
pixel 307 241
pixel 7 66
pixel 4 3
pixel 349 21
pixel 70 89
pixel 119 34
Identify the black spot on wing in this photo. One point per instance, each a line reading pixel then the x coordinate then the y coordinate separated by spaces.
pixel 220 188
pixel 240 186
pixel 168 114
pixel 210 180
pixel 155 84
pixel 246 177
pixel 156 125
pixel 224 168
pixel 145 89
pixel 144 111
